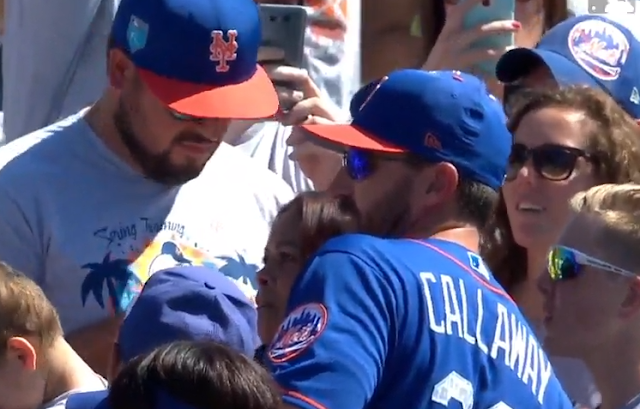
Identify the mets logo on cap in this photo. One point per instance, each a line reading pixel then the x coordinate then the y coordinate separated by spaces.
pixel 298 331
pixel 599 47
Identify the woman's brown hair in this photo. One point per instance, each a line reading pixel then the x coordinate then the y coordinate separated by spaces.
pixel 323 216
pixel 613 139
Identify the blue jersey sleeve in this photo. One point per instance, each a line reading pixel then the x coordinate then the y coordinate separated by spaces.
pixel 331 348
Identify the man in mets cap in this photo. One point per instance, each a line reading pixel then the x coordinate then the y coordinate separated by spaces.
pixel 186 303
pixel 427 152
pixel 584 50
pixel 199 57
pixel 135 172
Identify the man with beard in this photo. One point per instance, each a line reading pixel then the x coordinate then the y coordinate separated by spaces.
pixel 410 316
pixel 94 204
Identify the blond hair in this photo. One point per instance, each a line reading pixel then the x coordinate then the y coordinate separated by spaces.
pixel 617 209
pixel 25 310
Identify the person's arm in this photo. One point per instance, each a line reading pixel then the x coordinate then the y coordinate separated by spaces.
pixel 331 348
pixel 387 42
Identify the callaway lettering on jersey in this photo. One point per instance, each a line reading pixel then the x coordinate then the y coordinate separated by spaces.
pixel 375 323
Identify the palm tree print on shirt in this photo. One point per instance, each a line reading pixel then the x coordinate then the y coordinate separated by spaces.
pixel 122 285
pixel 242 273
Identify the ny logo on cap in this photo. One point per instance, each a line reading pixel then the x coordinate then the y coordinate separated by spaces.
pixel 223 51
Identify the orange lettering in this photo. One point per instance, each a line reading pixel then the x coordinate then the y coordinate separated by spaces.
pixel 223 51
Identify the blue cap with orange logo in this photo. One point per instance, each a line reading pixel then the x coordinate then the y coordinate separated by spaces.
pixel 442 116
pixel 584 50
pixel 199 57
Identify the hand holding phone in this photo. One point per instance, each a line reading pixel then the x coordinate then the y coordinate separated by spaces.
pixel 283 32
pixel 468 43
pixel 481 14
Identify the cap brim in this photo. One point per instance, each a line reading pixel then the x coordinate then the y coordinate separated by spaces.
pixel 351 136
pixel 88 400
pixel 255 98
pixel 517 63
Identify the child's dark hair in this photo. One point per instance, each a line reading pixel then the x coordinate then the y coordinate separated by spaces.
pixel 201 375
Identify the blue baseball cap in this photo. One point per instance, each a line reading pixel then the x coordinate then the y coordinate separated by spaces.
pixel 199 57
pixel 586 50
pixel 442 116
pixel 188 303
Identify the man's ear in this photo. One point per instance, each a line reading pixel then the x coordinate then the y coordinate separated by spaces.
pixel 119 68
pixel 440 181
pixel 630 306
pixel 24 351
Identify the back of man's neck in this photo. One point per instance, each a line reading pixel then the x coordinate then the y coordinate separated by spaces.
pixel 467 237
pixel 66 371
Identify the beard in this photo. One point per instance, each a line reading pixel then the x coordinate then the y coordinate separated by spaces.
pixel 390 215
pixel 157 166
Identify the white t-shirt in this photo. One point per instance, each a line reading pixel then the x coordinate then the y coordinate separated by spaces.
pixel 96 383
pixel 266 142
pixel 332 56
pixel 90 230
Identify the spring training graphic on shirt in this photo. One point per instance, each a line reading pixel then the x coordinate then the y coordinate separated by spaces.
pixel 135 251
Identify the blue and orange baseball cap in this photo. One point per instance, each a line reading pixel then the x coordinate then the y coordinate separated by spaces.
pixel 586 50
pixel 199 57
pixel 188 303
pixel 441 116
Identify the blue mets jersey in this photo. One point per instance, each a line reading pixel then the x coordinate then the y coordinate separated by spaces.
pixel 377 323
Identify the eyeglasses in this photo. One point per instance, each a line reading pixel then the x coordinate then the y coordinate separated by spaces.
pixel 552 162
pixel 361 163
pixel 565 263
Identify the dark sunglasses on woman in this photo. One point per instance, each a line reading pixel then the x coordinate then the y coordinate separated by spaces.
pixel 565 263
pixel 552 162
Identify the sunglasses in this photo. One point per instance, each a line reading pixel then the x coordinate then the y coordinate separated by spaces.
pixel 361 163
pixel 565 263
pixel 552 162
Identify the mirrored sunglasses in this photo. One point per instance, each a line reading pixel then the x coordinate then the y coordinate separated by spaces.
pixel 565 263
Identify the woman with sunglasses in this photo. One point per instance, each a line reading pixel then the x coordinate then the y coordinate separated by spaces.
pixel 565 141
pixel 301 227
pixel 592 291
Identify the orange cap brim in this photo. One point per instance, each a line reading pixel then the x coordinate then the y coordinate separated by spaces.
pixel 255 98
pixel 350 136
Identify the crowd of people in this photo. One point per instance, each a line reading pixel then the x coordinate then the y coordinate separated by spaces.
pixel 440 237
